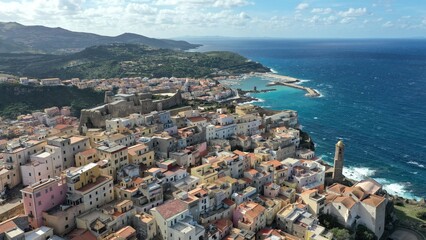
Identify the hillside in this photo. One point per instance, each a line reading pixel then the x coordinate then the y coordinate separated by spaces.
pixel 41 39
pixel 126 60
pixel 18 99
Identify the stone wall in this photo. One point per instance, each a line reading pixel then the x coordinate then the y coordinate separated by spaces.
pixel 122 105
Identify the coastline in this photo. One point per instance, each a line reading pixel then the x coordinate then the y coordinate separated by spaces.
pixel 278 80
pixel 282 80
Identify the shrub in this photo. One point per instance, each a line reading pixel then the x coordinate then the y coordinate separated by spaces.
pixel 363 233
pixel 421 215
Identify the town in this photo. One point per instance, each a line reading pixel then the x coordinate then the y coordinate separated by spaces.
pixel 175 158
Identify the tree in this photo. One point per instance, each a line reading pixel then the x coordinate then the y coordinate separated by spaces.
pixel 421 215
pixel 363 233
pixel 340 234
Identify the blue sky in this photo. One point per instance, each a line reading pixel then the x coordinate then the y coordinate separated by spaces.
pixel 236 18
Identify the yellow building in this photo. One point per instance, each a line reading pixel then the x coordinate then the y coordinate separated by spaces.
pixel 140 154
pixel 205 172
pixel 88 187
pixel 116 155
pixel 86 157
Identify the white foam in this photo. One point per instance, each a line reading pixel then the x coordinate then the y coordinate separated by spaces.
pixel 273 71
pixel 358 173
pixel 253 101
pixel 301 81
pixel 416 164
pixel 399 189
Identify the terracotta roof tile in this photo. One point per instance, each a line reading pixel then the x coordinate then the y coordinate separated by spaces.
pixel 171 208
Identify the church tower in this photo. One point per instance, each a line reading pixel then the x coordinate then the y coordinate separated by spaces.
pixel 338 162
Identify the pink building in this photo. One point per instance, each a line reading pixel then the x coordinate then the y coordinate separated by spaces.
pixel 43 196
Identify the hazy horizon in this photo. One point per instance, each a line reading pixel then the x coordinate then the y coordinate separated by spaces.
pixel 227 18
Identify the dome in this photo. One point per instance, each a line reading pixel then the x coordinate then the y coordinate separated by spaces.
pixel 340 143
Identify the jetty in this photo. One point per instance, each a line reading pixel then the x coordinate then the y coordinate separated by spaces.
pixel 290 82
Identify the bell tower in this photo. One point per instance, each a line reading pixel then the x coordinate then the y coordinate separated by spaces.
pixel 338 161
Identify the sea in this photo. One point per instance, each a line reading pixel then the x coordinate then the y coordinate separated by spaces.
pixel 373 96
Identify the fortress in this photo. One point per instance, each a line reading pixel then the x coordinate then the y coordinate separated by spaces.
pixel 122 105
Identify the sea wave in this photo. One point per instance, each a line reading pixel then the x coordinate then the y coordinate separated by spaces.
pixel 273 70
pixel 416 164
pixel 397 188
pixel 394 188
pixel 301 81
pixel 358 173
pixel 253 101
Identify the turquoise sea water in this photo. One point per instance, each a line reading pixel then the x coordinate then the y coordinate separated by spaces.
pixel 374 97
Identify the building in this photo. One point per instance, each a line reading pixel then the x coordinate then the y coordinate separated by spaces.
pixel 86 186
pixel 69 146
pixel 353 206
pixel 338 162
pixel 86 157
pixel 206 173
pixel 43 196
pixel 50 82
pixel 115 155
pixel 145 225
pixel 300 223
pixel 249 216
pixel 141 154
pixel 314 200
pixel 175 221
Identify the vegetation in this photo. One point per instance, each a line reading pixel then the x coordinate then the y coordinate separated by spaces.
pixel 421 215
pixel 17 38
pixel 126 60
pixel 329 221
pixel 363 233
pixel 407 216
pixel 340 234
pixel 18 99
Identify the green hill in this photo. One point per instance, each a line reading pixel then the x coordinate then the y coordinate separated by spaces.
pixel 126 60
pixel 41 39
pixel 17 99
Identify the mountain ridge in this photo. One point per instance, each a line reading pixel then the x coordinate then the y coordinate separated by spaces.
pixel 48 40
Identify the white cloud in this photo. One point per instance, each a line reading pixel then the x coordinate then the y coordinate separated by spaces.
pixel 302 6
pixel 388 24
pixel 347 20
pixel 353 12
pixel 322 10
pixel 231 3
pixel 203 3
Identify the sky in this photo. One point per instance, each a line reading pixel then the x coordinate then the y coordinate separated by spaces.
pixel 233 18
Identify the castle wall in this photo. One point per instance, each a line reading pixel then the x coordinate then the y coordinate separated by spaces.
pixel 124 105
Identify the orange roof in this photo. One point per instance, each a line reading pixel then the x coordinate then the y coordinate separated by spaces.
pixel 252 171
pixel 228 202
pixel 88 152
pixel 274 163
pixel 223 224
pixel 240 153
pixel 374 200
pixel 337 188
pixel 7 225
pixel 171 208
pixel 126 232
pixel 86 235
pixel 308 192
pixel 197 119
pixel 133 149
pixel 348 202
pixel 138 180
pixel 62 126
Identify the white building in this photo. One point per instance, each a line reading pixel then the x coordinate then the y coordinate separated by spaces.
pixel 175 221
